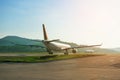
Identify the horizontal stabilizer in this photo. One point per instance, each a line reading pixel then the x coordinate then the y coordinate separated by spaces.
pixel 51 40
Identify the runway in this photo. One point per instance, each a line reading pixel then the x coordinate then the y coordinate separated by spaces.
pixel 105 67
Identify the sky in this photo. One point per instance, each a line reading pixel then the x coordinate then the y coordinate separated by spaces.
pixel 79 21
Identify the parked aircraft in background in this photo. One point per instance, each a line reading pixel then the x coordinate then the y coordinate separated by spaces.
pixel 54 45
pixel 89 51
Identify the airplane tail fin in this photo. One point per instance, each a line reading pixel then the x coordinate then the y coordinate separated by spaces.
pixel 44 32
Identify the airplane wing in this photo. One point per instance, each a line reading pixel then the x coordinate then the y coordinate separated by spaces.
pixel 84 46
pixel 51 40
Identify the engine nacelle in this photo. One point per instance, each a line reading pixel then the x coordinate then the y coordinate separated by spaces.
pixel 74 50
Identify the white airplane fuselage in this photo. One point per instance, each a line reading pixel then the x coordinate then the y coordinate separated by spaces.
pixel 56 46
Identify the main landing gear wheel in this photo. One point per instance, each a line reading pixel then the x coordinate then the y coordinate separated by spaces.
pixel 66 52
pixel 50 52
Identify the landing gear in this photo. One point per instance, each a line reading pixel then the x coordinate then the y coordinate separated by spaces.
pixel 49 51
pixel 74 51
pixel 66 52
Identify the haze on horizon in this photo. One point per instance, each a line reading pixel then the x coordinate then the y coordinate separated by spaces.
pixel 80 21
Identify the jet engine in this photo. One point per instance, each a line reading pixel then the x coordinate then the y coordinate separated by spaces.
pixel 74 50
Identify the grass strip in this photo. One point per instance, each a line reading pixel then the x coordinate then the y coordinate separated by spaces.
pixel 46 58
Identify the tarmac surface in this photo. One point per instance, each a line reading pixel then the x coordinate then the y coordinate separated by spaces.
pixel 105 67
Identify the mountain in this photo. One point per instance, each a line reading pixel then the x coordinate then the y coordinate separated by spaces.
pixel 5 43
pixel 19 44
pixel 15 40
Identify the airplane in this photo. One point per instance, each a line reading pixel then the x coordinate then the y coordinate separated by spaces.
pixel 54 45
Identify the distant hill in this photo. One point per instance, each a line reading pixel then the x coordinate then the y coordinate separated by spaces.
pixel 15 40
pixel 19 44
pixel 98 50
pixel 116 49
